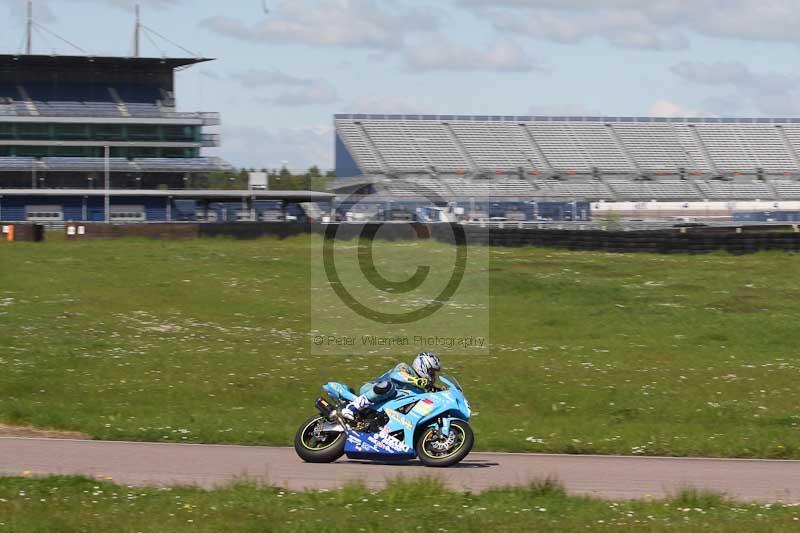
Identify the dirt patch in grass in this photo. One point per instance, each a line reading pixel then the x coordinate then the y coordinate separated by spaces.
pixel 32 432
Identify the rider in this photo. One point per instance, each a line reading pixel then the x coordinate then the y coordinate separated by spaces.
pixel 417 377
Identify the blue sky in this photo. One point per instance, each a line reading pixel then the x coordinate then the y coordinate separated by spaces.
pixel 280 76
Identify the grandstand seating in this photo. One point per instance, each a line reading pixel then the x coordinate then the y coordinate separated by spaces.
pixel 145 110
pixel 359 146
pixel 591 190
pixel 664 189
pixel 497 146
pixel 417 186
pixel 792 135
pixel 416 148
pixel 116 164
pixel 490 187
pixel 787 190
pixel 722 190
pixel 74 109
pixel 654 146
pixel 571 145
pixel 737 149
pixel 78 100
pixel 561 148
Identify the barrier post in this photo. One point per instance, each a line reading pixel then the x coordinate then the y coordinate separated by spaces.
pixel 10 233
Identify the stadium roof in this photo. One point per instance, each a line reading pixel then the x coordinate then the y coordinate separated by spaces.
pixel 41 60
pixel 542 118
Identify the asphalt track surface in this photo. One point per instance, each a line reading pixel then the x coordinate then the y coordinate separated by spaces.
pixel 208 466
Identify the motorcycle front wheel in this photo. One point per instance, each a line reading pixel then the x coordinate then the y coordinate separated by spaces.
pixel 434 449
pixel 314 446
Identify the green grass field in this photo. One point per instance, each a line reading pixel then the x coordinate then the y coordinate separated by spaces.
pixel 208 341
pixel 75 504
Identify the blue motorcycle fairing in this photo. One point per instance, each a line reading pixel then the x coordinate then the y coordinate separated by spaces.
pixel 362 445
pixel 430 409
pixel 338 391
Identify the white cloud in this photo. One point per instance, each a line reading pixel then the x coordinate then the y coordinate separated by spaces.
pixel 659 24
pixel 45 10
pixel 440 53
pixel 389 105
pixel 262 78
pixel 129 4
pixel 256 147
pixel 771 93
pixel 668 108
pixel 319 92
pixel 626 29
pixel 733 73
pixel 562 109
pixel 305 91
pixel 351 23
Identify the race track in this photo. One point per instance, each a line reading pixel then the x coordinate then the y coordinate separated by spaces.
pixel 213 465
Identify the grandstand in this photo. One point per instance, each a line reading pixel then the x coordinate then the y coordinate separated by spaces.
pixel 610 159
pixel 60 114
pixel 100 139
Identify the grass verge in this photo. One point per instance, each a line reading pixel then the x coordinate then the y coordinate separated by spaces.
pixel 208 341
pixel 68 504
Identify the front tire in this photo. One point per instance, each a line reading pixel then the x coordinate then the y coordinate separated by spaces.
pixel 437 452
pixel 313 447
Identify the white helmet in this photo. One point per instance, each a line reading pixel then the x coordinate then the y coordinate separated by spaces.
pixel 426 365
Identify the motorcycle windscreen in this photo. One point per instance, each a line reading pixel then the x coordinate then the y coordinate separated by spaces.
pixel 380 446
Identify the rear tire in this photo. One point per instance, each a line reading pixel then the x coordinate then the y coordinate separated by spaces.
pixel 429 456
pixel 312 450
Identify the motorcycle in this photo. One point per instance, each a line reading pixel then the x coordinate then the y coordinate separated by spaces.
pixel 432 426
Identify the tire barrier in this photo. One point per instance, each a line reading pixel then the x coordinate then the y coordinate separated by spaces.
pixel 663 242
pixel 673 241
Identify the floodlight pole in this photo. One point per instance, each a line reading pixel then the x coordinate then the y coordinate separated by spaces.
pixel 29 29
pixel 136 33
pixel 107 169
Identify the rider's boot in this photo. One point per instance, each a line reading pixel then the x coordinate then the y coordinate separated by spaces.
pixel 352 409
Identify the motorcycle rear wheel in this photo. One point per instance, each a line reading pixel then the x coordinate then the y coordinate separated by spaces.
pixel 315 450
pixel 429 455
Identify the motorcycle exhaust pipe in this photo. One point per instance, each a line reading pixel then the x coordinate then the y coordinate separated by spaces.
pixel 324 408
